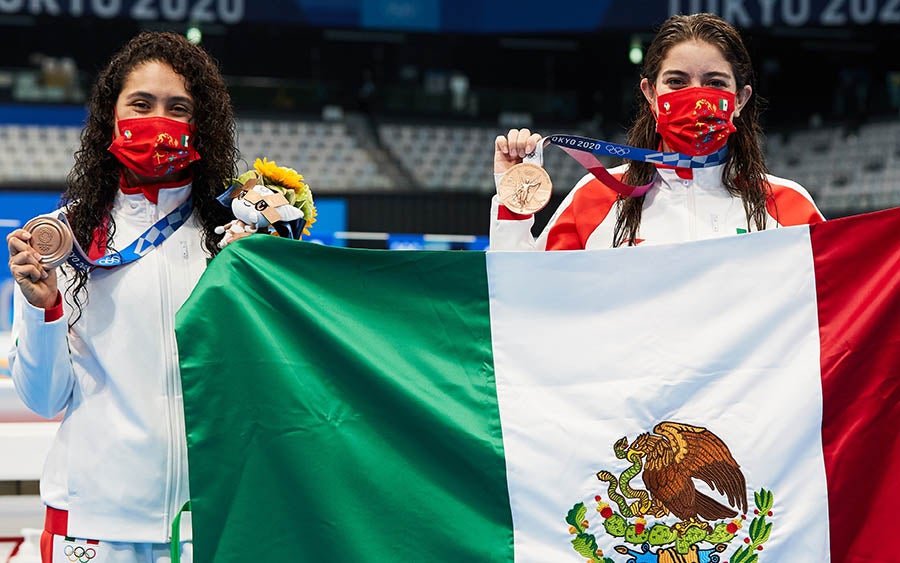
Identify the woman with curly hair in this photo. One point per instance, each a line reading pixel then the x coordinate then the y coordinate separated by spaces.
pixel 141 199
pixel 696 100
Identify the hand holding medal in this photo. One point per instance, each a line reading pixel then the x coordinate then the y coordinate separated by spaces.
pixel 34 253
pixel 524 186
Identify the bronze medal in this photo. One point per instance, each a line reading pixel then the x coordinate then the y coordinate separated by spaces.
pixel 525 188
pixel 51 238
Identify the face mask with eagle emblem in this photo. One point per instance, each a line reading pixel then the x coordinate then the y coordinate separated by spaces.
pixel 154 147
pixel 695 121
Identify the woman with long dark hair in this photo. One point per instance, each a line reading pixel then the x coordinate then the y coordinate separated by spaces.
pixel 696 99
pixel 95 337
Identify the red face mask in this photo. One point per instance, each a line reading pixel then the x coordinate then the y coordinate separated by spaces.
pixel 154 147
pixel 695 121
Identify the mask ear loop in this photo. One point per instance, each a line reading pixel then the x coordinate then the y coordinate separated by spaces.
pixel 737 106
pixel 116 133
pixel 654 106
pixel 115 127
pixel 659 116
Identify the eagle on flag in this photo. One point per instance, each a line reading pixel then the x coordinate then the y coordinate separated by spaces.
pixel 673 456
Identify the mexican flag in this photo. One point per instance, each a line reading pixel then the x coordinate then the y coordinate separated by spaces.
pixel 735 399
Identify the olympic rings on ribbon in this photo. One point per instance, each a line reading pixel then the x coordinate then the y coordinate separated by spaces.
pixel 617 150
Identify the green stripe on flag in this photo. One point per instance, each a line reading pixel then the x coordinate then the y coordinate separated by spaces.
pixel 340 406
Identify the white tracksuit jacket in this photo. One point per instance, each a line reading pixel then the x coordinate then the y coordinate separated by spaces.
pixel 676 208
pixel 118 463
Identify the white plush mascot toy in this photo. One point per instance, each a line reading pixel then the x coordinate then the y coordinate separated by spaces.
pixel 258 207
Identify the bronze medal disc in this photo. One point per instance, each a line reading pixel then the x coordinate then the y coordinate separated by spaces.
pixel 525 188
pixel 51 238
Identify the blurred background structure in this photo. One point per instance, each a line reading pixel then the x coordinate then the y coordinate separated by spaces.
pixel 389 109
pixel 393 104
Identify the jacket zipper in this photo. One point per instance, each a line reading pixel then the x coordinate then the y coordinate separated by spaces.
pixel 173 461
pixel 692 210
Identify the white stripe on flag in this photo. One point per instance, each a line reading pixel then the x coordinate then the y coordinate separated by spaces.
pixel 720 333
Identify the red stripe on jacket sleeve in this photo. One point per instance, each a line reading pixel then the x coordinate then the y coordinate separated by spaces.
pixel 589 207
pixel 505 214
pixel 56 311
pixel 789 207
pixel 857 268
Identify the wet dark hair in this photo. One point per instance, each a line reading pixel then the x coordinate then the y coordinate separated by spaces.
pixel 93 182
pixel 744 174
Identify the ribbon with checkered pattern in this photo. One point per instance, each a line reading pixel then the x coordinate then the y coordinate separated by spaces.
pixel 150 239
pixel 586 151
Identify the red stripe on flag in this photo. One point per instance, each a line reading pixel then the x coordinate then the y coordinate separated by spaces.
pixel 857 265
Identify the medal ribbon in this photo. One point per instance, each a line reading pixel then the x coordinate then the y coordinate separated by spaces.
pixel 150 239
pixel 586 150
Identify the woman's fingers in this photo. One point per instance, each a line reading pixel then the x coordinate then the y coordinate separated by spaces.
pixel 23 258
pixel 511 148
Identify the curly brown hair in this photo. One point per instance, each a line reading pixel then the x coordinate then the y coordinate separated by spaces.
pixel 94 180
pixel 744 174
